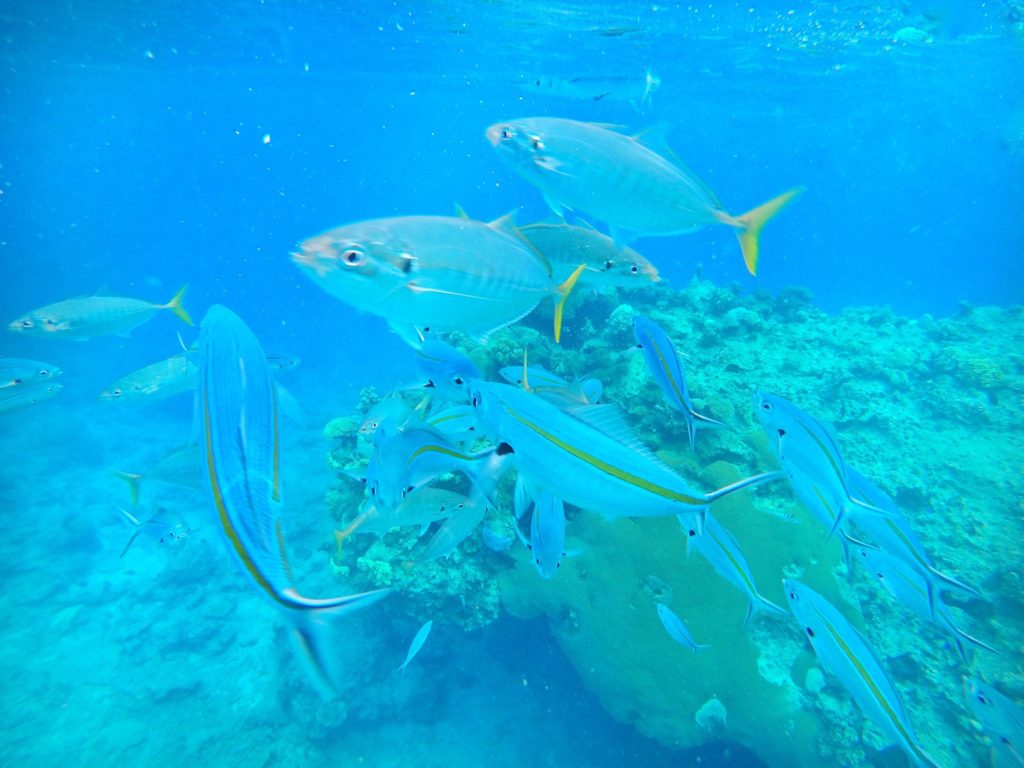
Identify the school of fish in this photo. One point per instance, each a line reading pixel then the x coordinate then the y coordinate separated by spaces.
pixel 436 463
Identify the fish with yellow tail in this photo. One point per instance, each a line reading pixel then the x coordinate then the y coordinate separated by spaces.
pixel 622 180
pixel 237 422
pixel 91 316
pixel 435 274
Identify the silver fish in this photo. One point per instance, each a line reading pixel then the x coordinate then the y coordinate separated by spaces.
pixel 676 629
pixel 162 526
pixel 434 274
pixel 17 372
pixel 416 644
pixel 237 420
pixel 1001 717
pixel 162 379
pixel 620 180
pixel 13 398
pixel 609 265
pixel 92 316
pixel 181 467
pixel 635 90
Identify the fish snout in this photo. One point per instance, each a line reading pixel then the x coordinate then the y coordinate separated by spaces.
pixel 498 133
pixel 314 259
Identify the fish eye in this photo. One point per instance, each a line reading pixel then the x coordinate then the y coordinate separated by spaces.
pixel 635 269
pixel 782 433
pixel 609 264
pixel 692 532
pixel 536 143
pixel 26 323
pixel 810 632
pixel 15 381
pixel 353 258
pixel 458 381
pixel 44 372
pixel 766 405
pixel 506 133
pixel 116 393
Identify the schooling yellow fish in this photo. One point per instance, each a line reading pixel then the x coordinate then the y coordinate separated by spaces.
pixel 86 318
pixel 620 180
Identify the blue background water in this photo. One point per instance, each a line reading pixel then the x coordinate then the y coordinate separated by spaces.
pixel 134 160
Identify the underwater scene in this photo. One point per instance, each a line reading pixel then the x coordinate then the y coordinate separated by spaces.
pixel 558 383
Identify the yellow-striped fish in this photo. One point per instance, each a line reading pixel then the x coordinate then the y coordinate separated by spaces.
pixel 86 318
pixel 236 404
pixel 618 179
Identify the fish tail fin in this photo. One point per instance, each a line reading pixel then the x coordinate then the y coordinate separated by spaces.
pixel 563 293
pixel 758 605
pixel 746 482
pixel 134 485
pixel 128 545
pixel 751 223
pixel 176 306
pixel 954 583
pixel 312 636
pixel 340 536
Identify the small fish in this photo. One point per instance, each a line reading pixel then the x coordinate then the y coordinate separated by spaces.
pixel 635 90
pixel 589 458
pixel 162 379
pixel 420 507
pixel 162 526
pixel 17 372
pixel 664 364
pixel 434 274
pixel 609 265
pixel 621 180
pixel 445 369
pixel 676 629
pixel 237 421
pixel 86 318
pixel 417 643
pixel 811 458
pixel 13 398
pixel 456 529
pixel 722 551
pixel 908 586
pixel 392 408
pixel 553 388
pixel 1000 717
pixel 181 466
pixel 280 361
pixel 844 653
pixel 547 534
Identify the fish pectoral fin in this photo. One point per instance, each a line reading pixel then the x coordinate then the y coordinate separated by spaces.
pixel 420 288
pixel 551 164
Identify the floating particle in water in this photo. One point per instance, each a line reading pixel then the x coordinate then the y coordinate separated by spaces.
pixel 266 139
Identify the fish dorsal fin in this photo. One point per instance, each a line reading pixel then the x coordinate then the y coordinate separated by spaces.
pixel 617 127
pixel 655 138
pixel 609 421
pixel 506 224
pixel 583 224
pixel 460 211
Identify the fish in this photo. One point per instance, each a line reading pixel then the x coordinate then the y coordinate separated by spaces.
pixel 420 507
pixel 456 528
pixel 445 369
pixel 92 316
pixel 18 372
pixel 720 548
pixel 547 534
pixel 165 378
pixel 635 90
pixel 609 265
pixel 392 407
pixel 417 643
pixel 845 654
pixel 457 421
pixel 676 629
pixel 281 361
pixel 181 467
pixel 664 364
pixel 621 180
pixel 810 456
pixel 240 443
pixel 911 588
pixel 895 536
pixel 552 387
pixel 589 458
pixel 1000 717
pixel 162 526
pixel 434 274
pixel 13 398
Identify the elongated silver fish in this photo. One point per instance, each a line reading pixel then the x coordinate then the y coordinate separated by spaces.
pixel 635 90
pixel 416 644
pixel 566 246
pixel 434 274
pixel 236 408
pixel 156 381
pixel 13 398
pixel 92 316
pixel 677 629
pixel 620 180
pixel 843 652
pixel 181 467
pixel 17 372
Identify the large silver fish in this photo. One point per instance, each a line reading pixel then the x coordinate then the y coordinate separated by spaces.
pixel 92 316
pixel 620 180
pixel 566 246
pixel 236 408
pixel 434 273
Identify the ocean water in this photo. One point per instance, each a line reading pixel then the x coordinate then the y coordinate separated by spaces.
pixel 150 145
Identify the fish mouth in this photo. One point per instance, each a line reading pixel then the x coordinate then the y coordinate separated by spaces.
pixel 493 135
pixel 307 259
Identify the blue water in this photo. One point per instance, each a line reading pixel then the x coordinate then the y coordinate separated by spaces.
pixel 148 145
